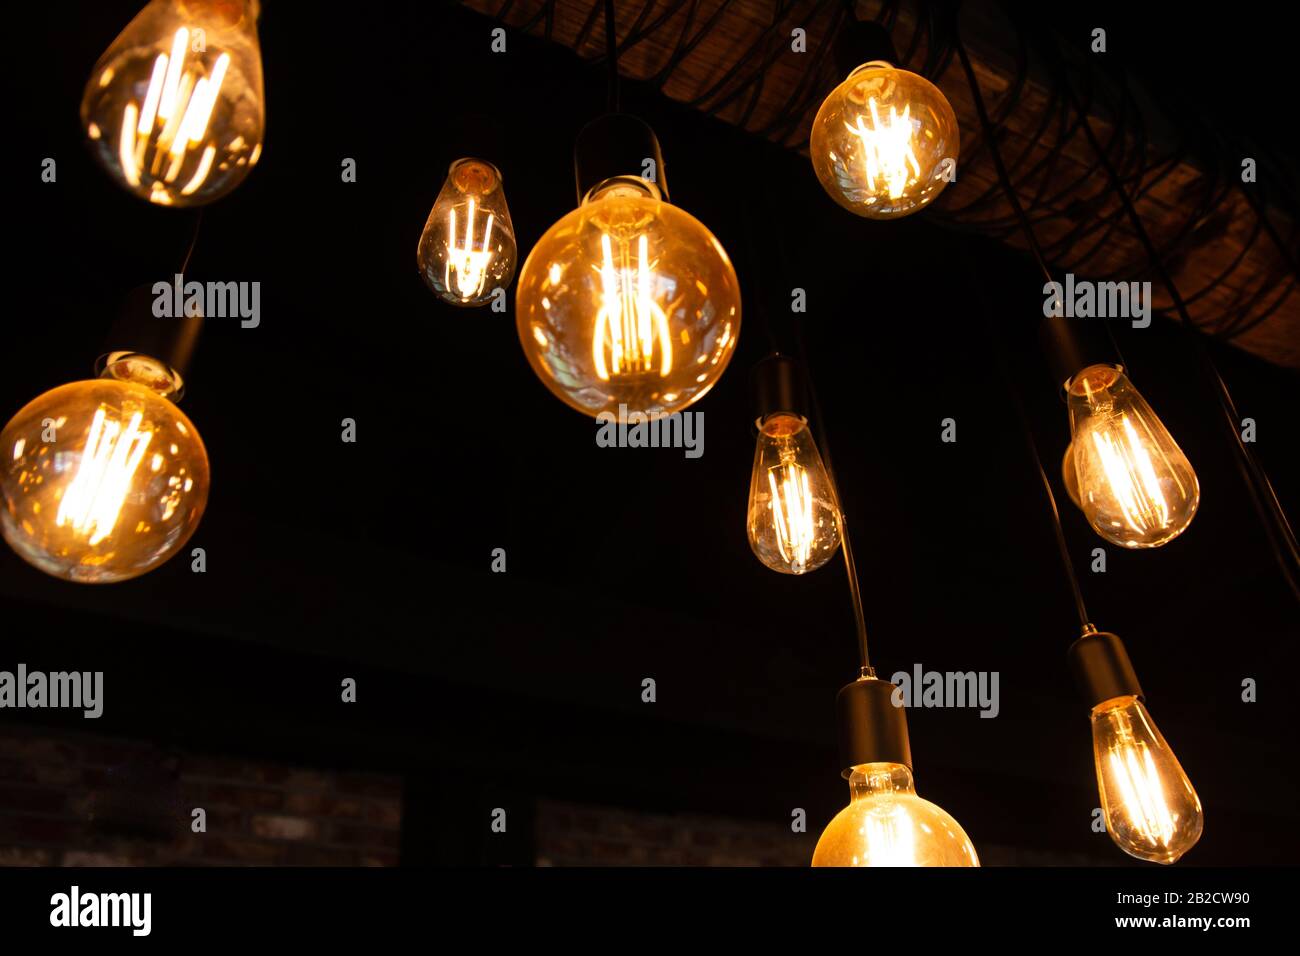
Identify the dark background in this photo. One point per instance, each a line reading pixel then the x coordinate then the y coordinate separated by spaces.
pixel 372 560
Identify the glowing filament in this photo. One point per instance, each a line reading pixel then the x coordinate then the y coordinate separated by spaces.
pixel 890 159
pixel 170 126
pixel 94 498
pixel 1131 477
pixel 630 323
pixel 470 265
pixel 792 509
pixel 887 840
pixel 1143 798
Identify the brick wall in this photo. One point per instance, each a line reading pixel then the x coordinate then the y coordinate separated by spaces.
pixel 80 800
pixel 570 834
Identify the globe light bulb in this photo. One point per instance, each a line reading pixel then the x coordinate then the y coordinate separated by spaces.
pixel 793 518
pixel 174 108
pixel 885 142
pixel 1151 810
pixel 1130 478
pixel 887 824
pixel 628 301
pixel 467 250
pixel 102 480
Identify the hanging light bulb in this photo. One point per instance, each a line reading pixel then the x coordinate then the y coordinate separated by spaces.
pixel 885 823
pixel 103 480
pixel 1152 812
pixel 467 250
pixel 1123 469
pixel 174 108
pixel 794 518
pixel 885 142
pixel 628 300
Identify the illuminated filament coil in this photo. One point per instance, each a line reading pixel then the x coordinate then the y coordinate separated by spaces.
pixel 888 839
pixel 888 149
pixel 173 119
pixel 93 500
pixel 1143 798
pixel 1132 477
pixel 469 265
pixel 629 323
pixel 792 511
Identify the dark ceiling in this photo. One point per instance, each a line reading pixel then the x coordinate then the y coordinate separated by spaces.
pixel 372 559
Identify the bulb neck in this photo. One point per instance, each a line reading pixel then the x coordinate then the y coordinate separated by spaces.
pixel 616 186
pixel 474 177
pixel 1118 704
pixel 878 779
pixel 138 369
pixel 873 728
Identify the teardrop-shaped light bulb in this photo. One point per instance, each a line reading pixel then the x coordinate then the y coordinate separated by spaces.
pixel 1151 810
pixel 1131 480
pixel 467 250
pixel 793 516
pixel 174 108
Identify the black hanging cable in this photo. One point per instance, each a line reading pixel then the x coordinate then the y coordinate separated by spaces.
pixel 194 241
pixel 846 544
pixel 611 57
pixel 1062 546
pixel 823 444
pixel 756 270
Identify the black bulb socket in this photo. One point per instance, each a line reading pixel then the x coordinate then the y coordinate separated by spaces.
pixel 873 728
pixel 1102 669
pixel 859 42
pixel 1071 345
pixel 618 146
pixel 777 387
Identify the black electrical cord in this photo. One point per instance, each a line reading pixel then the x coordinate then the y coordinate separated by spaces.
pixel 1062 547
pixel 611 56
pixel 846 544
pixel 194 240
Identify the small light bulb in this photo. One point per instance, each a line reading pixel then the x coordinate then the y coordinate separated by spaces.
pixel 174 108
pixel 628 301
pixel 1151 810
pixel 467 250
pixel 793 518
pixel 1130 478
pixel 102 480
pixel 887 824
pixel 885 142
